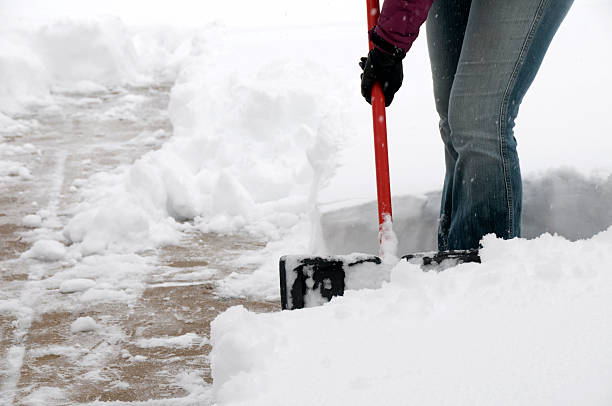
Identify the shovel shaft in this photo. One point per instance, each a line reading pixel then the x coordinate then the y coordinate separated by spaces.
pixel 383 187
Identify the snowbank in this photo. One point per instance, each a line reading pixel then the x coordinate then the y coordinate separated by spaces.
pixel 81 56
pixel 99 51
pixel 23 78
pixel 530 325
pixel 251 141
pixel 112 219
pixel 252 144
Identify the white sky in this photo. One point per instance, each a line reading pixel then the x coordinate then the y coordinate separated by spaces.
pixel 193 12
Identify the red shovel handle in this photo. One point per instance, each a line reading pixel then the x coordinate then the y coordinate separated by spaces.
pixel 383 187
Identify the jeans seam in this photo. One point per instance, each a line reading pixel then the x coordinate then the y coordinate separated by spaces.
pixel 503 113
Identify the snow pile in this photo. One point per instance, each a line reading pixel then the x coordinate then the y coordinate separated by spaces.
pixel 252 141
pixel 81 56
pixel 32 221
pixel 23 78
pixel 111 218
pixel 530 325
pixel 76 285
pixel 15 169
pixel 83 325
pixel 99 51
pixel 90 280
pixel 46 250
pixel 252 144
pixel 162 50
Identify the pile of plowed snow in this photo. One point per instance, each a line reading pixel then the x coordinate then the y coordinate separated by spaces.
pixel 254 140
pixel 80 56
pixel 531 325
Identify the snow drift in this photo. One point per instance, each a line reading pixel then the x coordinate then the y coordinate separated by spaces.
pixel 530 325
pixel 82 56
pixel 251 146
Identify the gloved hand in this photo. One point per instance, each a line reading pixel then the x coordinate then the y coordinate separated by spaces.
pixel 382 67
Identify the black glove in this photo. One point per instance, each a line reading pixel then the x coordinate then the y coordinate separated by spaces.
pixel 382 67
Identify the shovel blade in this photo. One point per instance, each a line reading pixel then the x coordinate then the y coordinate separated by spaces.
pixel 312 281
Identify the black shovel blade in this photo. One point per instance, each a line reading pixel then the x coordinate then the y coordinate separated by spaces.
pixel 312 281
pixel 439 261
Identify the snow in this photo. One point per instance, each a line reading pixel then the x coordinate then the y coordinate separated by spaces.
pixel 266 145
pixel 388 241
pixel 44 396
pixel 548 199
pixel 76 285
pixel 530 325
pixel 85 87
pixel 114 223
pixel 32 221
pixel 84 325
pixel 24 173
pixel 78 56
pixel 46 250
pixel 196 176
pixel 184 341
pixel 16 170
pixel 104 296
pixel 12 364
pixel 271 139
pixel 23 76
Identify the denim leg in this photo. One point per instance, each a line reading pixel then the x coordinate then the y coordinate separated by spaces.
pixel 446 25
pixel 502 48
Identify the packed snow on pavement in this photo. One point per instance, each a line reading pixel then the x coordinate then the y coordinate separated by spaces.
pixel 272 139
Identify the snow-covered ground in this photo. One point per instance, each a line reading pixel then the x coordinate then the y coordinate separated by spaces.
pixel 271 139
pixel 529 326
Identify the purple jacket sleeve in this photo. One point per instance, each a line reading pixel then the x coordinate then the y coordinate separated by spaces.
pixel 400 20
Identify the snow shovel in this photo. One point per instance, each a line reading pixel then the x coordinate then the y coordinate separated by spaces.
pixel 307 281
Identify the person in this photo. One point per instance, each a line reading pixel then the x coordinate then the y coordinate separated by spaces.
pixel 484 55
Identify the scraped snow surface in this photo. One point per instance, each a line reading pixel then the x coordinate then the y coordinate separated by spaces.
pixel 184 341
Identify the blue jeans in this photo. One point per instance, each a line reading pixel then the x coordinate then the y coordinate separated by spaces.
pixel 484 56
